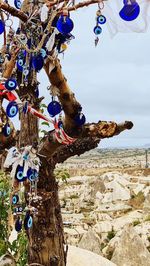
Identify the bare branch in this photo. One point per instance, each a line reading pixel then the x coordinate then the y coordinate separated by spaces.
pixel 83 4
pixel 93 132
pixel 13 11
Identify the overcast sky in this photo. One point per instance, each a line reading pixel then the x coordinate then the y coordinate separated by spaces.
pixel 111 81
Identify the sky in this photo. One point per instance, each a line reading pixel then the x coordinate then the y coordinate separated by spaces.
pixel 111 81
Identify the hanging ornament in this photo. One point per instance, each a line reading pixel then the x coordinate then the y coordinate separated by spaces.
pixel 43 52
pixel 18 224
pixel 80 119
pixel 15 199
pixel 20 174
pixel 7 130
pixel 12 109
pixel 130 11
pixel 101 19
pixel 32 174
pixel 65 24
pixel 54 108
pixel 17 4
pixel 2 26
pixel 37 62
pixel 28 221
pixel 20 64
pixel 97 30
pixel 11 84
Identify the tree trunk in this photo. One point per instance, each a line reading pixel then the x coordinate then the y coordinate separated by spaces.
pixel 46 241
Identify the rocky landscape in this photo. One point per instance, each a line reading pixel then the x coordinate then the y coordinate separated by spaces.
pixel 106 206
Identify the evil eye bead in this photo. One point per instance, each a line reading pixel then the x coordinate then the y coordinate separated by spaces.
pixel 17 4
pixel 15 199
pixel 43 53
pixel 28 222
pixel 20 64
pixel 64 25
pixel 19 174
pixel 54 108
pixel 18 225
pixel 37 62
pixel 10 84
pixel 130 11
pixel 97 30
pixel 2 26
pixel 101 19
pixel 20 209
pixel 12 109
pixel 30 174
pixel 7 130
pixel 80 119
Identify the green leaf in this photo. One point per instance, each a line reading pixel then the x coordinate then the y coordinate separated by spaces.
pixel 45 124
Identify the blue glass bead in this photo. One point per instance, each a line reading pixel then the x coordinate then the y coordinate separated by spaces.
pixel 54 108
pixel 101 19
pixel 80 119
pixel 20 64
pixel 64 25
pixel 12 109
pixel 43 52
pixel 17 4
pixel 7 130
pixel 31 174
pixel 28 222
pixel 37 62
pixel 2 27
pixel 10 84
pixel 97 30
pixel 19 174
pixel 15 199
pixel 18 225
pixel 130 11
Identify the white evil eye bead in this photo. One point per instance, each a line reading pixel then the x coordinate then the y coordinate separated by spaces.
pixel 12 109
pixel 15 199
pixel 7 130
pixel 17 4
pixel 20 209
pixel 97 30
pixel 18 225
pixel 28 222
pixel 101 19
pixel 10 84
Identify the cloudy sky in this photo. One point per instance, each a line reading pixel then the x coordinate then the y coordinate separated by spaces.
pixel 111 81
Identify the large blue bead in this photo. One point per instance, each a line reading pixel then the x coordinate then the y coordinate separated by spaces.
pixel 130 11
pixel 12 109
pixel 37 62
pixel 2 27
pixel 54 108
pixel 64 25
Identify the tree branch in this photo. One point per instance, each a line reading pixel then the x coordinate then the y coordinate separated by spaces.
pixel 13 11
pixel 93 132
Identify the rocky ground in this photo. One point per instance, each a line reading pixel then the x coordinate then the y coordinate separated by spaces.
pixel 106 205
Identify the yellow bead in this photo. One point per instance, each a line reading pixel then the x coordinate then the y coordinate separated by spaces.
pixel 64 46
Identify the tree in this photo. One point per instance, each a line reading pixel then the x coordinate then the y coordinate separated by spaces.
pixel 46 239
